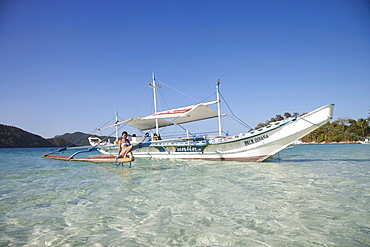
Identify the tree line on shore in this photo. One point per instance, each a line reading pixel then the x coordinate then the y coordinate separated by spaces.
pixel 333 131
pixel 353 127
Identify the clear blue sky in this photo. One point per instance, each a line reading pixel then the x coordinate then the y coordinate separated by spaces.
pixel 69 65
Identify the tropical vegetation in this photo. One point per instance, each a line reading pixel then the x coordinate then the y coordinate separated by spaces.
pixel 340 130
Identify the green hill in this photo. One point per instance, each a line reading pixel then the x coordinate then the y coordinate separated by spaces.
pixel 59 142
pixel 13 137
pixel 77 138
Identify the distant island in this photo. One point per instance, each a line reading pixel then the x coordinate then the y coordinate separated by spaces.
pixel 13 137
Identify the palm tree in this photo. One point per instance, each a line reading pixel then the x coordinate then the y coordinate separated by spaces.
pixel 363 124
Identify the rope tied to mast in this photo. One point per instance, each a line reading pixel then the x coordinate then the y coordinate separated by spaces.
pixel 237 119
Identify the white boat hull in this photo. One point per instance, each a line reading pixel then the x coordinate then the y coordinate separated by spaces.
pixel 257 145
pixel 366 141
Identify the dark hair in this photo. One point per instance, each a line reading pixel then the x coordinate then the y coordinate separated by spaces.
pixel 124 132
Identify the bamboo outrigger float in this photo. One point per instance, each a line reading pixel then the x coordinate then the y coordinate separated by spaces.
pixel 91 159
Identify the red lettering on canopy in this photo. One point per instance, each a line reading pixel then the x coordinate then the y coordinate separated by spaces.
pixel 178 111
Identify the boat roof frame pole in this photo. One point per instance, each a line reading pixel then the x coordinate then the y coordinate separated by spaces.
pixel 219 107
pixel 117 125
pixel 154 86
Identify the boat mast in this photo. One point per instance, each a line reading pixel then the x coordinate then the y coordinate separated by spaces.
pixel 117 125
pixel 154 86
pixel 219 107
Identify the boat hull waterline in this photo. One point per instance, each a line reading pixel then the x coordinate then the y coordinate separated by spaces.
pixel 256 145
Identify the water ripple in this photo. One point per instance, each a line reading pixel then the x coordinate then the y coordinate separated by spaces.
pixel 307 196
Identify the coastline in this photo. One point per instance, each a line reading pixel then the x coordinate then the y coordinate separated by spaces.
pixel 324 143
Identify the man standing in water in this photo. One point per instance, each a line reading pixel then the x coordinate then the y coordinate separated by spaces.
pixel 125 147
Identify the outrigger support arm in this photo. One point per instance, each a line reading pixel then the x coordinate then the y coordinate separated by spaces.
pixel 83 151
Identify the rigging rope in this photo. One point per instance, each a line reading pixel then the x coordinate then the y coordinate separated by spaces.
pixel 234 117
pixel 331 128
pixel 207 98
pixel 175 118
pixel 145 86
pixel 103 123
pixel 159 91
pixel 169 107
pixel 142 99
pixel 237 119
pixel 89 149
pixel 178 91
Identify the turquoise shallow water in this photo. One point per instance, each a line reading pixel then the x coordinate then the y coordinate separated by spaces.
pixel 316 195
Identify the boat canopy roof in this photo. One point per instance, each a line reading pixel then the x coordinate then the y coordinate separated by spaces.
pixel 171 117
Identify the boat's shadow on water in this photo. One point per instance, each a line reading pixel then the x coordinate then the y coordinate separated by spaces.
pixel 139 167
pixel 154 168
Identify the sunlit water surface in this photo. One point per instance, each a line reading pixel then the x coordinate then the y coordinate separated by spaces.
pixel 316 195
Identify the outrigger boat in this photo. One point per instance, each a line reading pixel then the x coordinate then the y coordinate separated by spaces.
pixel 253 145
pixel 366 141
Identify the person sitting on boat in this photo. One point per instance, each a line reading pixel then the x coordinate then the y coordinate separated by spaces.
pixel 157 137
pixel 125 147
